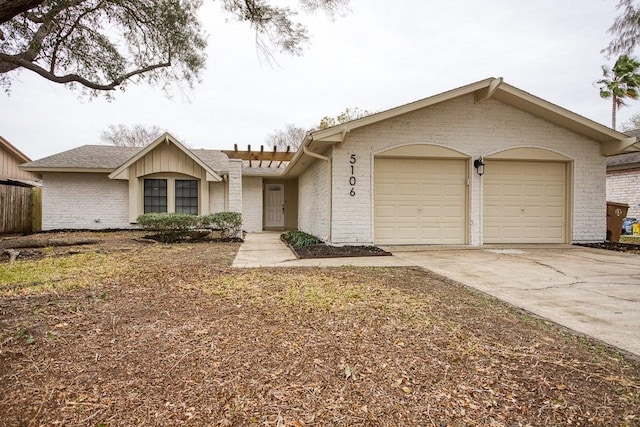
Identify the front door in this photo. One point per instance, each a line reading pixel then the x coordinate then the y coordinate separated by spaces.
pixel 274 215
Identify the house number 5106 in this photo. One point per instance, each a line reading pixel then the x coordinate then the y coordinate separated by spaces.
pixel 352 178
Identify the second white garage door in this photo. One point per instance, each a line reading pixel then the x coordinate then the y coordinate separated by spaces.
pixel 525 202
pixel 420 201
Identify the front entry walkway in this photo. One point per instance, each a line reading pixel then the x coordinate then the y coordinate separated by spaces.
pixel 262 250
pixel 267 250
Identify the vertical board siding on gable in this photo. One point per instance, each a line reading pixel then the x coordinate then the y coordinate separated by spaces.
pixel 168 158
pixel 252 204
pixel 313 199
pixel 470 128
pixel 623 186
pixel 77 200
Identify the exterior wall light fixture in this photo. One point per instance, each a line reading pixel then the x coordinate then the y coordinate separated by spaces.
pixel 479 165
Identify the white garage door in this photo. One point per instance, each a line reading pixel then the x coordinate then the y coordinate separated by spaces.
pixel 525 202
pixel 420 201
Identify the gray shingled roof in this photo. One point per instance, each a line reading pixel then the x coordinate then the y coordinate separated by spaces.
pixel 628 159
pixel 87 157
pixel 110 157
pixel 216 160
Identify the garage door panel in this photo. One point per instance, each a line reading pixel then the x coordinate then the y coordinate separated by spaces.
pixel 524 202
pixel 427 204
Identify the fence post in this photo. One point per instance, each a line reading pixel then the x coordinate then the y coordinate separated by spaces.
pixel 36 209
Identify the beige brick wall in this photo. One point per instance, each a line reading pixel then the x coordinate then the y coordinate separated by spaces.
pixel 313 200
pixel 252 204
pixel 235 186
pixel 216 196
pixel 460 124
pixel 84 201
pixel 624 187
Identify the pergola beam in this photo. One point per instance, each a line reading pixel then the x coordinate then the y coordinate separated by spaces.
pixel 260 156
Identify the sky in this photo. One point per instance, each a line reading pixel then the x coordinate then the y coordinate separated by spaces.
pixel 375 56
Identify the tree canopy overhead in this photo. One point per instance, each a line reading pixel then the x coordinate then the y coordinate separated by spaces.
pixel 625 28
pixel 101 45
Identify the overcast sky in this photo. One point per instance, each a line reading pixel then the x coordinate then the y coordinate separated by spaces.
pixel 375 57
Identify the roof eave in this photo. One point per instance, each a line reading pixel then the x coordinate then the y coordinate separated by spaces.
pixel 43 169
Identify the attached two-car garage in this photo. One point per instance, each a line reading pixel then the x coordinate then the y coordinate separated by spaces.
pixel 426 201
pixel 408 175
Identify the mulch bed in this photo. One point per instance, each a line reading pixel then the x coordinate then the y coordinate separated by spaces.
pixel 613 246
pixel 326 251
pixel 128 333
pixel 322 250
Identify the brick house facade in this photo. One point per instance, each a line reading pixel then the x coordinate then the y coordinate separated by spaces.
pixel 484 163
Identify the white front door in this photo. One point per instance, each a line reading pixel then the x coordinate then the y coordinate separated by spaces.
pixel 274 215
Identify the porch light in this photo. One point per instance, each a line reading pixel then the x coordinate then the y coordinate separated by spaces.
pixel 479 165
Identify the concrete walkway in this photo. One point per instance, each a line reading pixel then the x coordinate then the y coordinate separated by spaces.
pixel 267 250
pixel 591 291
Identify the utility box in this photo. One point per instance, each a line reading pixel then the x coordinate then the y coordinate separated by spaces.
pixel 616 212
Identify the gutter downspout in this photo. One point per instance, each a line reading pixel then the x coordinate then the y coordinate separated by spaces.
pixel 329 171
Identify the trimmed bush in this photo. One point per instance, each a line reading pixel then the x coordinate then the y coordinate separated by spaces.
pixel 164 221
pixel 228 223
pixel 173 227
pixel 299 239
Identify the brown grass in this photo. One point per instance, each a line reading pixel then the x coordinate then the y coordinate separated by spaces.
pixel 153 334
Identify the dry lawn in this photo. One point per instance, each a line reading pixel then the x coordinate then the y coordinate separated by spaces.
pixel 125 333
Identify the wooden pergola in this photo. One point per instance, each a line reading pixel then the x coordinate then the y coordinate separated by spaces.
pixel 260 156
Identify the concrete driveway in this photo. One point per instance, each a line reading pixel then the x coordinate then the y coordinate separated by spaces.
pixel 592 291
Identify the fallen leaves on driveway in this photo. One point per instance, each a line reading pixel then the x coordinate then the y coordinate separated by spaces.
pixel 154 334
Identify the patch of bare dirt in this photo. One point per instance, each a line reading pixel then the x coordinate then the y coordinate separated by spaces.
pixel 171 335
pixel 62 243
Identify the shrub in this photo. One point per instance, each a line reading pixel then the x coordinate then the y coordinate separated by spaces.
pixel 228 223
pixel 176 226
pixel 171 227
pixel 299 239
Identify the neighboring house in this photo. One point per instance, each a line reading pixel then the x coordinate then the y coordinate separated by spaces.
pixel 402 176
pixel 623 179
pixel 19 201
pixel 10 159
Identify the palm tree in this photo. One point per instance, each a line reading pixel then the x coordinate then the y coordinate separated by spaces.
pixel 620 82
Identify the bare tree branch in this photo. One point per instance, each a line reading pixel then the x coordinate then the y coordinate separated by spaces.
pixel 71 78
pixel 94 42
pixel 12 8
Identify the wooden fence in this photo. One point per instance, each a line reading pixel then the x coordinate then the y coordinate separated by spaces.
pixel 20 209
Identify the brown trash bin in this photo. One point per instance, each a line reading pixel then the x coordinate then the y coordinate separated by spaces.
pixel 616 212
